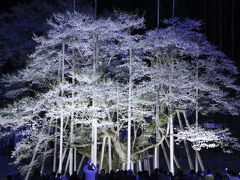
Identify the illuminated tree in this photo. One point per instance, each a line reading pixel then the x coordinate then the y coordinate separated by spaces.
pixel 107 80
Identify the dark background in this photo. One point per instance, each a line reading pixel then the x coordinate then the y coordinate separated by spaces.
pixel 220 18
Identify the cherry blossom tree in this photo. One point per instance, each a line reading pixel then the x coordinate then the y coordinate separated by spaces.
pixel 102 77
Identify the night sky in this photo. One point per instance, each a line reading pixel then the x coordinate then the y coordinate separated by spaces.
pixel 221 18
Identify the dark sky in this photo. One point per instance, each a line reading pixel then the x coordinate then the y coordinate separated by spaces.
pixel 221 17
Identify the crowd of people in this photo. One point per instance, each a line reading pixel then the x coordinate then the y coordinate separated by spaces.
pixel 90 173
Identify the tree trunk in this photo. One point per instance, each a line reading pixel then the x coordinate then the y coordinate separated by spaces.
pixel 120 150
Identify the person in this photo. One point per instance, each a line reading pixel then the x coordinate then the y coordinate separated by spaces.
pixel 58 176
pixel 209 175
pixel 36 175
pixel 53 176
pixel 164 175
pixel 178 175
pixel 90 171
pixel 200 175
pixel 74 176
pixel 65 176
pixel 101 175
pixel 233 176
pixel 191 175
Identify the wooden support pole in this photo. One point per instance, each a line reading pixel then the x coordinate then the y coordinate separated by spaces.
pixel 185 142
pixel 139 165
pixel 80 163
pixel 102 153
pixel 109 155
pixel 165 156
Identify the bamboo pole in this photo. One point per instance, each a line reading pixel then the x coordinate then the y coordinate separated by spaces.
pixel 165 156
pixel 196 152
pixel 174 157
pixel 171 132
pixel 61 113
pixel 102 153
pixel 129 112
pixel 156 149
pixel 75 159
pixel 185 142
pixel 80 163
pixel 67 163
pixel 109 155
pixel 72 120
pixel 63 157
pixel 55 149
pixel 139 165
pixel 94 123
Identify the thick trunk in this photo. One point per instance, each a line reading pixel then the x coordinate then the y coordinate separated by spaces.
pixel 120 150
